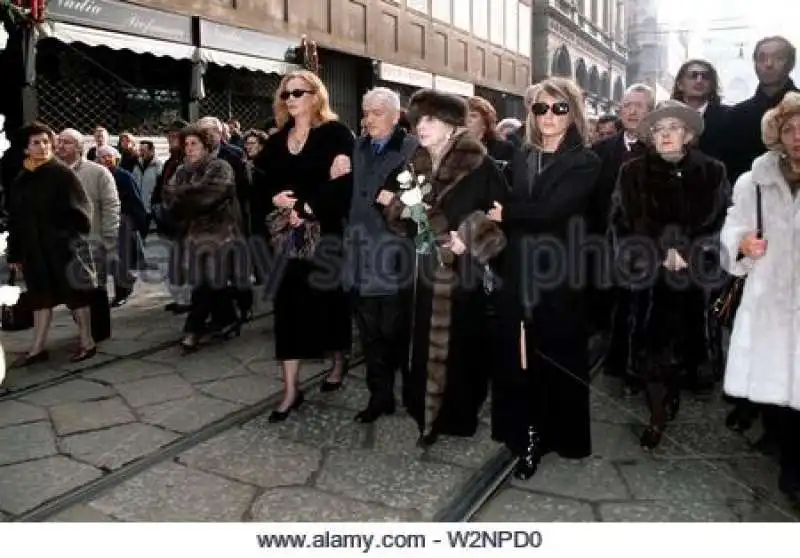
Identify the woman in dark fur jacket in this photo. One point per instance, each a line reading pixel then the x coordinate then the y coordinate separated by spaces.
pixel 450 359
pixel 669 206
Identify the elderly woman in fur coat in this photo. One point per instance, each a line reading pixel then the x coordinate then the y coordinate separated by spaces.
pixel 764 356
pixel 201 197
pixel 50 217
pixel 449 363
pixel 669 205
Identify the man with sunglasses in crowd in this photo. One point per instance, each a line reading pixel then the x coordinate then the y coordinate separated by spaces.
pixel 697 85
pixel 608 305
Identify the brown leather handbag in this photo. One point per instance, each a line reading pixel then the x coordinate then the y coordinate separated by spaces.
pixel 725 306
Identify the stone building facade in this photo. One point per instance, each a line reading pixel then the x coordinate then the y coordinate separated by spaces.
pixel 584 40
pixel 462 46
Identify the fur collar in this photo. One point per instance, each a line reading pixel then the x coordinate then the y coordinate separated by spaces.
pixel 766 170
pixel 462 155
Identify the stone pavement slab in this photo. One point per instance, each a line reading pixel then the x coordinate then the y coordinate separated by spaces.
pixel 25 442
pixel 523 506
pixel 60 437
pixel 172 492
pixel 319 465
pixel 16 412
pixel 701 472
pixel 85 416
pixel 26 485
pixel 294 504
pixel 114 447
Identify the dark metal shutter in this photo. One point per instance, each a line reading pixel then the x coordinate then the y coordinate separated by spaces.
pixel 339 73
pixel 241 94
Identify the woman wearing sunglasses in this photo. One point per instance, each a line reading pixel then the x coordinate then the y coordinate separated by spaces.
pixel 541 387
pixel 307 167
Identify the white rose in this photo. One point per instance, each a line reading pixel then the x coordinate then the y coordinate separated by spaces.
pixel 411 197
pixel 404 177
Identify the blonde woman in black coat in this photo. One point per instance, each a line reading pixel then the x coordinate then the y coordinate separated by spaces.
pixel 541 388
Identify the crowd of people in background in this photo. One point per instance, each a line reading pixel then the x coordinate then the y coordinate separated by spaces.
pixel 476 256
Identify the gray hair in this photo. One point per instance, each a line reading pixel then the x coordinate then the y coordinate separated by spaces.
pixel 643 88
pixel 382 96
pixel 509 123
pixel 75 136
pixel 108 150
pixel 211 122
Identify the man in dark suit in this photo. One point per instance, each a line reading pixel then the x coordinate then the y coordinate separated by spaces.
pixel 609 305
pixel 372 272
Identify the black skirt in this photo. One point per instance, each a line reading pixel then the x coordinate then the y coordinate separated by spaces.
pixel 312 319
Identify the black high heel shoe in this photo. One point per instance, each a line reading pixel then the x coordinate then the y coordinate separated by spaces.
pixel 427 440
pixel 233 329
pixel 280 416
pixel 672 406
pixel 651 437
pixel 189 345
pixel 528 463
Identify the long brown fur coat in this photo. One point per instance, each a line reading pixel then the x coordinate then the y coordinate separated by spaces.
pixel 465 186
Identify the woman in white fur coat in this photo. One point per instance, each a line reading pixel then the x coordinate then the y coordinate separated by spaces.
pixel 764 355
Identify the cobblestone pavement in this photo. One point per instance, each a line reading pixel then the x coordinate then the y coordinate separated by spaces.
pixel 317 466
pixel 702 472
pixel 132 400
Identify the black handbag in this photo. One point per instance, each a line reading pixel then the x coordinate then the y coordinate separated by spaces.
pixel 19 316
pixel 726 304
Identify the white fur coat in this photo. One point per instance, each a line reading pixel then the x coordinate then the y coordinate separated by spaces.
pixel 764 354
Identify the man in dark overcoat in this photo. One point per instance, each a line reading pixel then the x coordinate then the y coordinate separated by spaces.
pixel 378 263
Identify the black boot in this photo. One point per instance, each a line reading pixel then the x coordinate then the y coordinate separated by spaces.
pixel 529 462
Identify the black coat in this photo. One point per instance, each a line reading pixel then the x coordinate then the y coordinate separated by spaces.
pixel 613 153
pixel 541 307
pixel 546 206
pixel 235 158
pixel 49 218
pixel 502 151
pixel 743 133
pixel 373 266
pixel 714 142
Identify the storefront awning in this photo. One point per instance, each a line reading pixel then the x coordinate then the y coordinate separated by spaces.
pixel 70 33
pixel 266 65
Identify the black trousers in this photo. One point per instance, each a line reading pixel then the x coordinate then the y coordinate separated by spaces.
pixel 382 323
pixel 618 361
pixel 784 424
pixel 208 302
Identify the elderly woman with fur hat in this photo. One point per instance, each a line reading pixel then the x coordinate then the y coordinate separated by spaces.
pixel 669 205
pixel 763 358
pixel 450 352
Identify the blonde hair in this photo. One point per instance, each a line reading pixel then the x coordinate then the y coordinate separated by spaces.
pixel 559 88
pixel 775 118
pixel 322 111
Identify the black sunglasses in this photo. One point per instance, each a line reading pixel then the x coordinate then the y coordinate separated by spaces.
pixel 700 74
pixel 559 109
pixel 296 93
